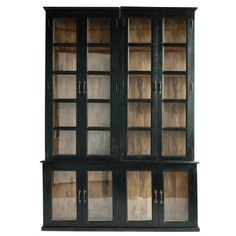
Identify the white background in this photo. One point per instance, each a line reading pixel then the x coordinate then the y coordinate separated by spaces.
pixel 22 60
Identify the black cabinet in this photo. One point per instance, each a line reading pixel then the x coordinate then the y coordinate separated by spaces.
pixel 119 119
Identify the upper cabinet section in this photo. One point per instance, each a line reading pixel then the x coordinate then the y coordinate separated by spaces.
pixel 120 83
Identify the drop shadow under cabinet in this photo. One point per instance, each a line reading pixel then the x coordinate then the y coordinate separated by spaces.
pixel 119 119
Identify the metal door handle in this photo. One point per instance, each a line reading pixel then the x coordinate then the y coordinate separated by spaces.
pixel 155 195
pixel 79 87
pixel 161 197
pixel 159 87
pixel 84 87
pixel 84 197
pixel 155 86
pixel 79 199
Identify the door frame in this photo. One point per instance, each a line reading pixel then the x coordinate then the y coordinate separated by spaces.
pixel 48 168
pixel 116 195
pixel 191 169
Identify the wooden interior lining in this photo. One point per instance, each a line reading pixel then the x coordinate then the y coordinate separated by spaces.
pixel 64 114
pixel 174 58
pixel 139 87
pixel 64 30
pixel 99 30
pixel 64 86
pixel 175 87
pixel 99 59
pixel 140 58
pixel 140 30
pixel 64 195
pixel 98 87
pixel 139 193
pixel 174 115
pixel 174 143
pixel 139 114
pixel 98 114
pixel 64 58
pixel 175 30
pixel 175 195
pixel 64 142
pixel 98 142
pixel 100 199
pixel 139 142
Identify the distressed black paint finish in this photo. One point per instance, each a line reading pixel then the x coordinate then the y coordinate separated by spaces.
pixel 118 161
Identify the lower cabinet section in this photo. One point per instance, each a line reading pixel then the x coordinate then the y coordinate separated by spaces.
pixel 150 197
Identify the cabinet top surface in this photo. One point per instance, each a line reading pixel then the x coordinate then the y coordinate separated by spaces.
pixel 47 8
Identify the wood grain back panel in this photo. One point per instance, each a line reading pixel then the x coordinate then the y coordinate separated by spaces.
pixel 174 87
pixel 99 59
pixel 64 59
pixel 64 142
pixel 174 58
pixel 174 115
pixel 139 195
pixel 99 30
pixel 139 87
pixel 64 30
pixel 175 30
pixel 64 86
pixel 175 195
pixel 174 143
pixel 139 142
pixel 140 30
pixel 139 114
pixel 140 58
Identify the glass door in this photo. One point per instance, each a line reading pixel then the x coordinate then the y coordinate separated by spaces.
pixel 139 101
pixel 100 197
pixel 99 86
pixel 178 196
pixel 63 92
pixel 175 84
pixel 63 187
pixel 140 208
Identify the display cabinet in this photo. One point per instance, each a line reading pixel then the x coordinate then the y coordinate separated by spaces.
pixel 119 119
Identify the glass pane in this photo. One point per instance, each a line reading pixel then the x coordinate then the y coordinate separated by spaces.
pixel 64 114
pixel 98 142
pixel 98 87
pixel 174 87
pixel 64 30
pixel 64 142
pixel 139 87
pixel 175 59
pixel 140 58
pixel 139 195
pixel 64 86
pixel 64 205
pixel 64 58
pixel 174 143
pixel 174 115
pixel 139 142
pixel 140 30
pixel 175 31
pixel 100 196
pixel 98 114
pixel 99 30
pixel 99 59
pixel 139 114
pixel 175 195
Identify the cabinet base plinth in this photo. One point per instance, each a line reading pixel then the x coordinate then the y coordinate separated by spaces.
pixel 73 228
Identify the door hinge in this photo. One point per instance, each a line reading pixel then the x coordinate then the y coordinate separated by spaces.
pixel 48 85
pixel 116 23
pixel 119 13
pixel 191 23
pixel 48 22
pixel 191 87
pixel 123 22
